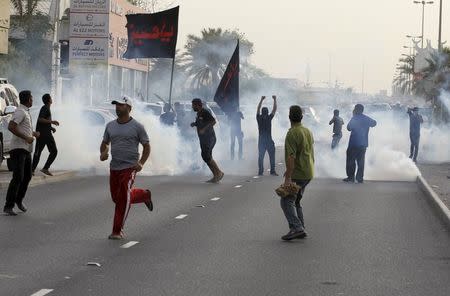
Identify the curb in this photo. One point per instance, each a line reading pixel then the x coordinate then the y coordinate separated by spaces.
pixel 40 180
pixel 435 201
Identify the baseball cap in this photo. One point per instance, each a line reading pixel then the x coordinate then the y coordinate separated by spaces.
pixel 123 101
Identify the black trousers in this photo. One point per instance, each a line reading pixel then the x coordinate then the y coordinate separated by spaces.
pixel 414 149
pixel 21 165
pixel 356 155
pixel 40 145
pixel 263 146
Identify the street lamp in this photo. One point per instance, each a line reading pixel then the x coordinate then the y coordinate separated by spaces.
pixel 423 13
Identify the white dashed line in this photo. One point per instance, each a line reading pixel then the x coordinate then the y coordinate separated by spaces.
pixel 129 244
pixel 215 198
pixel 181 217
pixel 238 186
pixel 8 276
pixel 42 292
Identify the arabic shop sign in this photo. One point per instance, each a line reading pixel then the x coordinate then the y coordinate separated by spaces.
pixel 95 49
pixel 97 6
pixel 87 24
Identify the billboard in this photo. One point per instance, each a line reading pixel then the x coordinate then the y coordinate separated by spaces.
pixel 93 6
pixel 89 31
pixel 88 49
pixel 89 24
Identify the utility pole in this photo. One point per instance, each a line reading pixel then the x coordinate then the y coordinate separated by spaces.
pixel 362 82
pixel 440 27
pixel 423 14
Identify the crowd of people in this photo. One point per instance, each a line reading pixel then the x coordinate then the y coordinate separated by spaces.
pixel 123 136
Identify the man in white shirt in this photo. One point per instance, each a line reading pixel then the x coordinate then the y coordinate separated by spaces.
pixel 21 148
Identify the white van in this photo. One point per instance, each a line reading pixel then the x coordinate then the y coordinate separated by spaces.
pixel 9 101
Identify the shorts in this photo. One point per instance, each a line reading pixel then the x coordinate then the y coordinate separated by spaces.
pixel 207 146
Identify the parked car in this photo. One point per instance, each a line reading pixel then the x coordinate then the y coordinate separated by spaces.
pixel 9 101
pixel 154 108
pixel 377 107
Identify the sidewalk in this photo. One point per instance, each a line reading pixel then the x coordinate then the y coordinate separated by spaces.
pixel 438 176
pixel 38 179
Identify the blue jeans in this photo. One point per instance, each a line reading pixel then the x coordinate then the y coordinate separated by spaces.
pixel 263 146
pixel 292 209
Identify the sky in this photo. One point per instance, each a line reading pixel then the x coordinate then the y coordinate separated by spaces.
pixel 351 34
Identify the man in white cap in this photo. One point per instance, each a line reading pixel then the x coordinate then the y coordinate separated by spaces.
pixel 125 134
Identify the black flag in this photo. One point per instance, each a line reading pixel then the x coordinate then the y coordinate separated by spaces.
pixel 227 94
pixel 152 35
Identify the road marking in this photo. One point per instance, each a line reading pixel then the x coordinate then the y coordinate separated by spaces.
pixel 255 177
pixel 215 198
pixel 181 217
pixel 8 276
pixel 129 244
pixel 238 186
pixel 42 292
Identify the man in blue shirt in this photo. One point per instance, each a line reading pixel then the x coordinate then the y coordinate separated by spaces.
pixel 415 120
pixel 359 127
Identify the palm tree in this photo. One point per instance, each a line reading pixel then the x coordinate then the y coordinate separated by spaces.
pixel 32 22
pixel 403 81
pixel 33 45
pixel 206 57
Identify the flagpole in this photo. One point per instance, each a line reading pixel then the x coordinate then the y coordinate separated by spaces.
pixel 171 81
pixel 148 80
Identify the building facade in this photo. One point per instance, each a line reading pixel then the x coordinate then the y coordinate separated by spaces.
pixel 94 44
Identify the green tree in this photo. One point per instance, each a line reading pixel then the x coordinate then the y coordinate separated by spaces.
pixel 403 80
pixel 206 57
pixel 30 50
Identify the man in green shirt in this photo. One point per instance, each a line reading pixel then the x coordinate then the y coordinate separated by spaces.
pixel 299 157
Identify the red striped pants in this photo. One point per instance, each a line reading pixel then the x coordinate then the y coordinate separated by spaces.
pixel 123 194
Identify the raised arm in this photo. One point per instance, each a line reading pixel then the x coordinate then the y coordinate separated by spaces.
pixel 274 109
pixel 258 111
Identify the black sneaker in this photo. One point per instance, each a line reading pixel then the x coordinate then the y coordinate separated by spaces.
pixel 303 236
pixel 149 203
pixel 349 180
pixel 293 234
pixel 360 181
pixel 9 212
pixel 274 174
pixel 22 207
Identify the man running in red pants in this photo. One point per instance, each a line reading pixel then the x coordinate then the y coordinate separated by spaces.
pixel 124 135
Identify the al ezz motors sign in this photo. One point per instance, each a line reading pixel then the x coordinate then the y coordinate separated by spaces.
pixel 89 31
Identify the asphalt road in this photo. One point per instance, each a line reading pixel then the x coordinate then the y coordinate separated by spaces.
pixel 379 238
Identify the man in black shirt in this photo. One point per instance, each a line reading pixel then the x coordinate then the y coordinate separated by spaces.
pixel 205 129
pixel 235 118
pixel 44 127
pixel 337 129
pixel 265 142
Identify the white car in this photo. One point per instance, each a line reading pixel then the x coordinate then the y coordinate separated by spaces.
pixel 9 101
